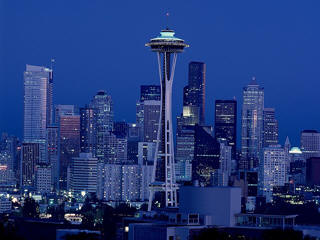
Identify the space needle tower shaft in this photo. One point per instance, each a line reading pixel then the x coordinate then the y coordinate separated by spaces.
pixel 163 182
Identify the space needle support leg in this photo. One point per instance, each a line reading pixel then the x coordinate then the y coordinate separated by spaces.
pixel 153 177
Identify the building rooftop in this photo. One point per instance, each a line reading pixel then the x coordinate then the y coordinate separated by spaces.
pixel 167 42
pixel 295 150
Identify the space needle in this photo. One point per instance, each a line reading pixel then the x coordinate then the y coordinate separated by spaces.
pixel 163 183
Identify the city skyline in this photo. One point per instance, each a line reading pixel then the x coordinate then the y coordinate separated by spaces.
pixel 280 66
pixel 224 145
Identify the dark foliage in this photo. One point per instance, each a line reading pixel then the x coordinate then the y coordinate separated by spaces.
pixel 30 208
pixel 82 236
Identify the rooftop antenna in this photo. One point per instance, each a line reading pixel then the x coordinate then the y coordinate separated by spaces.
pixel 167 20
pixel 52 63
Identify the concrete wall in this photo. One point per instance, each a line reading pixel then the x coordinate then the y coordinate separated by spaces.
pixel 222 203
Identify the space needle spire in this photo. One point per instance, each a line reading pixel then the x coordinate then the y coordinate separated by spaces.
pixel 163 185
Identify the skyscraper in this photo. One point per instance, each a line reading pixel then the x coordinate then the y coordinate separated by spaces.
pixel 44 178
pixel 83 177
pixel 6 169
pixel 61 110
pixel 30 158
pixel 194 92
pixel 88 130
pixel 192 114
pixel 133 140
pixel 310 143
pixel 37 106
pixel 185 152
pixel 115 148
pixel 151 115
pixel 163 180
pixel 103 104
pixel 273 170
pixel 69 145
pixel 53 143
pixel 206 160
pixel 148 106
pixel 10 157
pixel 252 125
pixel 270 127
pixel 225 124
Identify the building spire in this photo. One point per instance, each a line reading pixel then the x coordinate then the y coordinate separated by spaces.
pixel 253 81
pixel 287 142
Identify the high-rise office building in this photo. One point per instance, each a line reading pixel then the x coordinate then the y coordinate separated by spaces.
pixel 151 109
pixel 44 178
pixel 53 153
pixel 185 153
pixel 151 94
pixel 194 92
pixel 115 148
pixel 224 171
pixel 193 113
pixel 270 127
pixel 69 145
pixel 111 182
pixel 62 110
pixel 37 106
pixel 296 166
pixel 273 170
pixel 10 158
pixel 29 160
pixel 164 186
pixel 206 160
pixel 88 130
pixel 252 125
pixel 225 124
pixel 133 140
pixel 103 104
pixel 310 143
pixel 126 182
pixel 7 176
pixel 83 177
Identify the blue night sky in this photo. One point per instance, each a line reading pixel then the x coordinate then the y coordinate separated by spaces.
pixel 99 44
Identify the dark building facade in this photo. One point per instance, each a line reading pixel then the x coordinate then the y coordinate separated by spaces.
pixel 225 124
pixel 88 130
pixel 121 128
pixel 312 171
pixel 206 160
pixel 270 127
pixel 194 92
pixel 69 145
pixel 30 158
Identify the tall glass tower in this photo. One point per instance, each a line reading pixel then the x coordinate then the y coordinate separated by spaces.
pixel 252 125
pixel 102 103
pixel 167 46
pixel 37 106
pixel 194 92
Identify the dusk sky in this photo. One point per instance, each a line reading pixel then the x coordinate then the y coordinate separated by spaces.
pixel 99 44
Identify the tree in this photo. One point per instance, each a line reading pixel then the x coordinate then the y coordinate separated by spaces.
pixel 57 212
pixel 30 208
